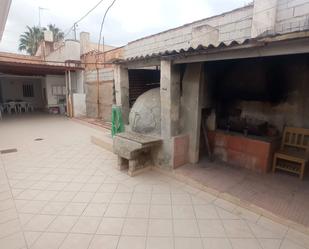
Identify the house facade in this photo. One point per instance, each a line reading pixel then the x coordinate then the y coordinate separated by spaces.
pixel 93 87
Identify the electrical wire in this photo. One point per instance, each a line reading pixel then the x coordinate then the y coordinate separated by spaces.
pixel 84 16
pixel 97 57
pixel 102 24
pixel 248 17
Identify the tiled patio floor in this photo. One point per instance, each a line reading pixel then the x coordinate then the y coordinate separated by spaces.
pixel 281 194
pixel 64 192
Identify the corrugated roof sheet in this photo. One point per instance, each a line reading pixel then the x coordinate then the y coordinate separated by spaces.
pixel 199 48
pixel 263 39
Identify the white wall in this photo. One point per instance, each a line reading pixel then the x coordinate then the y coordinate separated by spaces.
pixel 79 98
pixel 50 81
pixel 79 81
pixel 69 51
pixel 12 88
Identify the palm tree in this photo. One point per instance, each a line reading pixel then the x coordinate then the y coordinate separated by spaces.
pixel 29 41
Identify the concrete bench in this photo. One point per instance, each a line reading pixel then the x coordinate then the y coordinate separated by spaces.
pixel 133 150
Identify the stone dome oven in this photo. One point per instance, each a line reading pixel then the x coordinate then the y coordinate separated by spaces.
pixel 145 115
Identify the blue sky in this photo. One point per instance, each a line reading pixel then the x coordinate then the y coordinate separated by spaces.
pixel 127 20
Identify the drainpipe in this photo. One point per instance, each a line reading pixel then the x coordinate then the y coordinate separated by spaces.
pixel 103 52
pixel 67 91
pixel 98 86
pixel 43 50
pixel 98 75
pixel 70 96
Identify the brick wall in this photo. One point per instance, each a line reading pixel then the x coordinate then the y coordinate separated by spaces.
pixel 243 151
pixel 292 15
pixel 91 57
pixel 234 25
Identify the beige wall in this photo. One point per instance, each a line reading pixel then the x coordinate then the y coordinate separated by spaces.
pixel 105 91
pixel 79 100
pixel 106 84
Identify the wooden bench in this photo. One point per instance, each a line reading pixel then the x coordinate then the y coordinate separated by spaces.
pixel 294 151
pixel 133 150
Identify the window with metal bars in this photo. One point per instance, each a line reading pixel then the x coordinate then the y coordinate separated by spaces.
pixel 28 91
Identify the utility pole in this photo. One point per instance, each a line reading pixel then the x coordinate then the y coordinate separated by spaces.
pixel 74 30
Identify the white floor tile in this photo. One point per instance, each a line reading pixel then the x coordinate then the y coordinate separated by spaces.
pixel 126 242
pixel 111 226
pixel 189 243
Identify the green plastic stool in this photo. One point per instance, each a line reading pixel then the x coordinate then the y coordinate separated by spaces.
pixel 117 123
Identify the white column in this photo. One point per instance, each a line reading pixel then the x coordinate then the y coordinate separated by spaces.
pixel 170 106
pixel 170 99
pixel 79 81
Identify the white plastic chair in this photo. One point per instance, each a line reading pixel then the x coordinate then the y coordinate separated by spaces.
pixel 23 107
pixel 11 106
pixel 30 107
pixel 4 108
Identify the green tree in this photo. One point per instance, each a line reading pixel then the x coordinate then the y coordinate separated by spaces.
pixel 30 40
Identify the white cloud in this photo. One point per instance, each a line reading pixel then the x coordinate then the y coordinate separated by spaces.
pixel 126 21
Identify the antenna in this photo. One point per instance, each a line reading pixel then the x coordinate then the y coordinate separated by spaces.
pixel 40 9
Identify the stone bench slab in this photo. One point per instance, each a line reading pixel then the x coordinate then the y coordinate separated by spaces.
pixel 134 147
pixel 128 144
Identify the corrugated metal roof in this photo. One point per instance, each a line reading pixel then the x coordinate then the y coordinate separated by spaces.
pixel 252 42
pixel 200 48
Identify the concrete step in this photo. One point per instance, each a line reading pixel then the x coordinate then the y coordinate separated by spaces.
pixel 105 142
pixel 95 123
pixel 106 125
